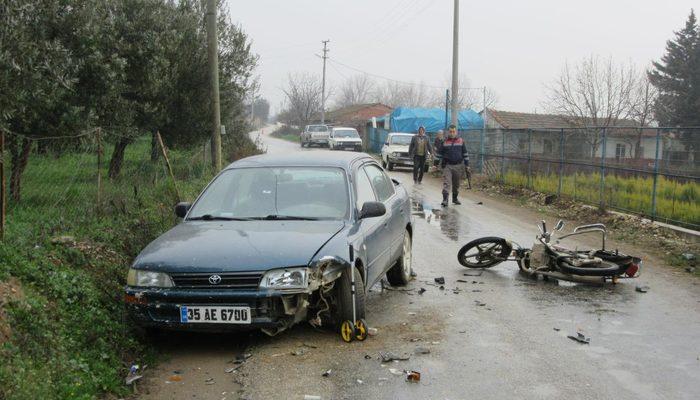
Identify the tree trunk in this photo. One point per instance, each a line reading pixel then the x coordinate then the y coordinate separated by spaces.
pixel 154 148
pixel 115 163
pixel 19 150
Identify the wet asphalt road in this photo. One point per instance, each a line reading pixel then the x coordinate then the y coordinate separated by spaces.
pixel 498 335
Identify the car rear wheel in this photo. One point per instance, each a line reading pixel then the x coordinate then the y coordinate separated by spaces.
pixel 343 298
pixel 400 273
pixel 390 165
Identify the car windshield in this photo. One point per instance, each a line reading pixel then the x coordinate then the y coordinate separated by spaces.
pixel 317 128
pixel 274 193
pixel 400 140
pixel 345 133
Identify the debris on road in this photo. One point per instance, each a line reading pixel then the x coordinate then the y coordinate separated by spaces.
pixel 580 337
pixel 473 273
pixel 175 378
pixel 411 313
pixel 479 303
pixel 209 381
pixel 442 287
pixel 421 291
pixel 395 371
pixel 462 280
pixel 133 375
pixel 389 357
pixel 241 358
pixel 413 376
pixel 479 203
pixel 422 350
pixel 299 352
pixel 556 329
pixel 462 331
pixel 368 357
pixel 326 374
pixel 372 331
pixel 642 288
pixel 359 381
pixel 311 397
pixel 440 280
pixel 311 346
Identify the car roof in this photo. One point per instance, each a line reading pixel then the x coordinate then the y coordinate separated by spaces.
pixel 302 159
pixel 343 127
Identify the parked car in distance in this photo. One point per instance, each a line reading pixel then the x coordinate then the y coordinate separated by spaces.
pixel 314 134
pixel 344 139
pixel 395 151
pixel 271 241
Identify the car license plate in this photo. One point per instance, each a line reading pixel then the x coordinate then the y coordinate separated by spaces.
pixel 349 148
pixel 215 314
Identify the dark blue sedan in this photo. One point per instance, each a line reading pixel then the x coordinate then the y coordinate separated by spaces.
pixel 271 242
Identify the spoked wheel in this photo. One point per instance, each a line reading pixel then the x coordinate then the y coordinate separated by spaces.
pixel 484 252
pixel 347 331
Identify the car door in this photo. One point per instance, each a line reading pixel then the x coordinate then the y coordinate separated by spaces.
pixel 391 229
pixel 371 229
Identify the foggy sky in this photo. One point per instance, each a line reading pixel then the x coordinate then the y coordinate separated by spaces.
pixel 512 46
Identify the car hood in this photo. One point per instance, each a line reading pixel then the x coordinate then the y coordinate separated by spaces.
pixel 231 246
pixel 397 148
pixel 348 140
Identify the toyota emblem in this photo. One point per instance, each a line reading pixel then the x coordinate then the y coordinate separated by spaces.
pixel 214 279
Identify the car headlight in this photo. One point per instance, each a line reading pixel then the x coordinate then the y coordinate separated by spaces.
pixel 395 154
pixel 289 278
pixel 137 277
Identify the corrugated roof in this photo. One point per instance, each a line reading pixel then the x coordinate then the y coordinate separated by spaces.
pixel 518 120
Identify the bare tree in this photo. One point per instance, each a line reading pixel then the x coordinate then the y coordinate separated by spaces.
pixel 642 109
pixel 303 99
pixel 399 94
pixel 357 89
pixel 594 94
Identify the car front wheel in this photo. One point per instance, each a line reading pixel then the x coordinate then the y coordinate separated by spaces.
pixel 343 297
pixel 400 273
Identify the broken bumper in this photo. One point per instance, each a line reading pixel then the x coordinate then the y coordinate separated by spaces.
pixel 160 308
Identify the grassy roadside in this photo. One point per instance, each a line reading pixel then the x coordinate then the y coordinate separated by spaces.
pixel 63 264
pixel 286 132
pixel 631 229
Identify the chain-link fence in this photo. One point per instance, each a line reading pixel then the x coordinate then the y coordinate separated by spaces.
pixel 73 178
pixel 654 172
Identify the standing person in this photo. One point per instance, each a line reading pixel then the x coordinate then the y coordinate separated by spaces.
pixel 455 159
pixel 419 149
pixel 437 147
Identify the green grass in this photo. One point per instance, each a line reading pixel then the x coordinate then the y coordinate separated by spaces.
pixel 287 133
pixel 69 336
pixel 676 201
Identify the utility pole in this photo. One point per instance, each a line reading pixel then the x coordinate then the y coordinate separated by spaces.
pixel 213 53
pixel 455 66
pixel 447 105
pixel 323 85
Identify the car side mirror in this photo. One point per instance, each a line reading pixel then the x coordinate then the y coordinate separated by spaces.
pixel 386 143
pixel 372 209
pixel 182 208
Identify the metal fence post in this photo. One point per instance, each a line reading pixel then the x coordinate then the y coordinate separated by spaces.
pixel 482 149
pixel 529 158
pixel 602 169
pixel 561 162
pixel 656 175
pixel 503 157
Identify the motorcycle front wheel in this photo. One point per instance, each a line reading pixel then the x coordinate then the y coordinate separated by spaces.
pixel 484 252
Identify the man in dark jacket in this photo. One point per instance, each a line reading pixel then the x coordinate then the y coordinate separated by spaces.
pixel 455 159
pixel 419 149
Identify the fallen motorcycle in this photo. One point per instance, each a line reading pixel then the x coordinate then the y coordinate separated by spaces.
pixel 551 259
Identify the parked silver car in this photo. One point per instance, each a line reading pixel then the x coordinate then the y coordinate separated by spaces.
pixel 314 134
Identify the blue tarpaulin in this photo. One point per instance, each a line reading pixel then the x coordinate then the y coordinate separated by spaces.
pixel 405 119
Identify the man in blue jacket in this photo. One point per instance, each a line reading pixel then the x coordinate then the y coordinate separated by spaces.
pixel 455 161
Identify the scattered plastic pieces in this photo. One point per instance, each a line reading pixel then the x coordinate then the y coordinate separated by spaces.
pixel 326 374
pixel 440 280
pixel 372 331
pixel 359 381
pixel 580 337
pixel 368 357
pixel 230 370
pixel 209 381
pixel 411 313
pixel 557 329
pixel 642 288
pixel 479 203
pixel 395 371
pixel 421 290
pixel 478 303
pixel 299 352
pixel 413 376
pixel 461 280
pixel 175 378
